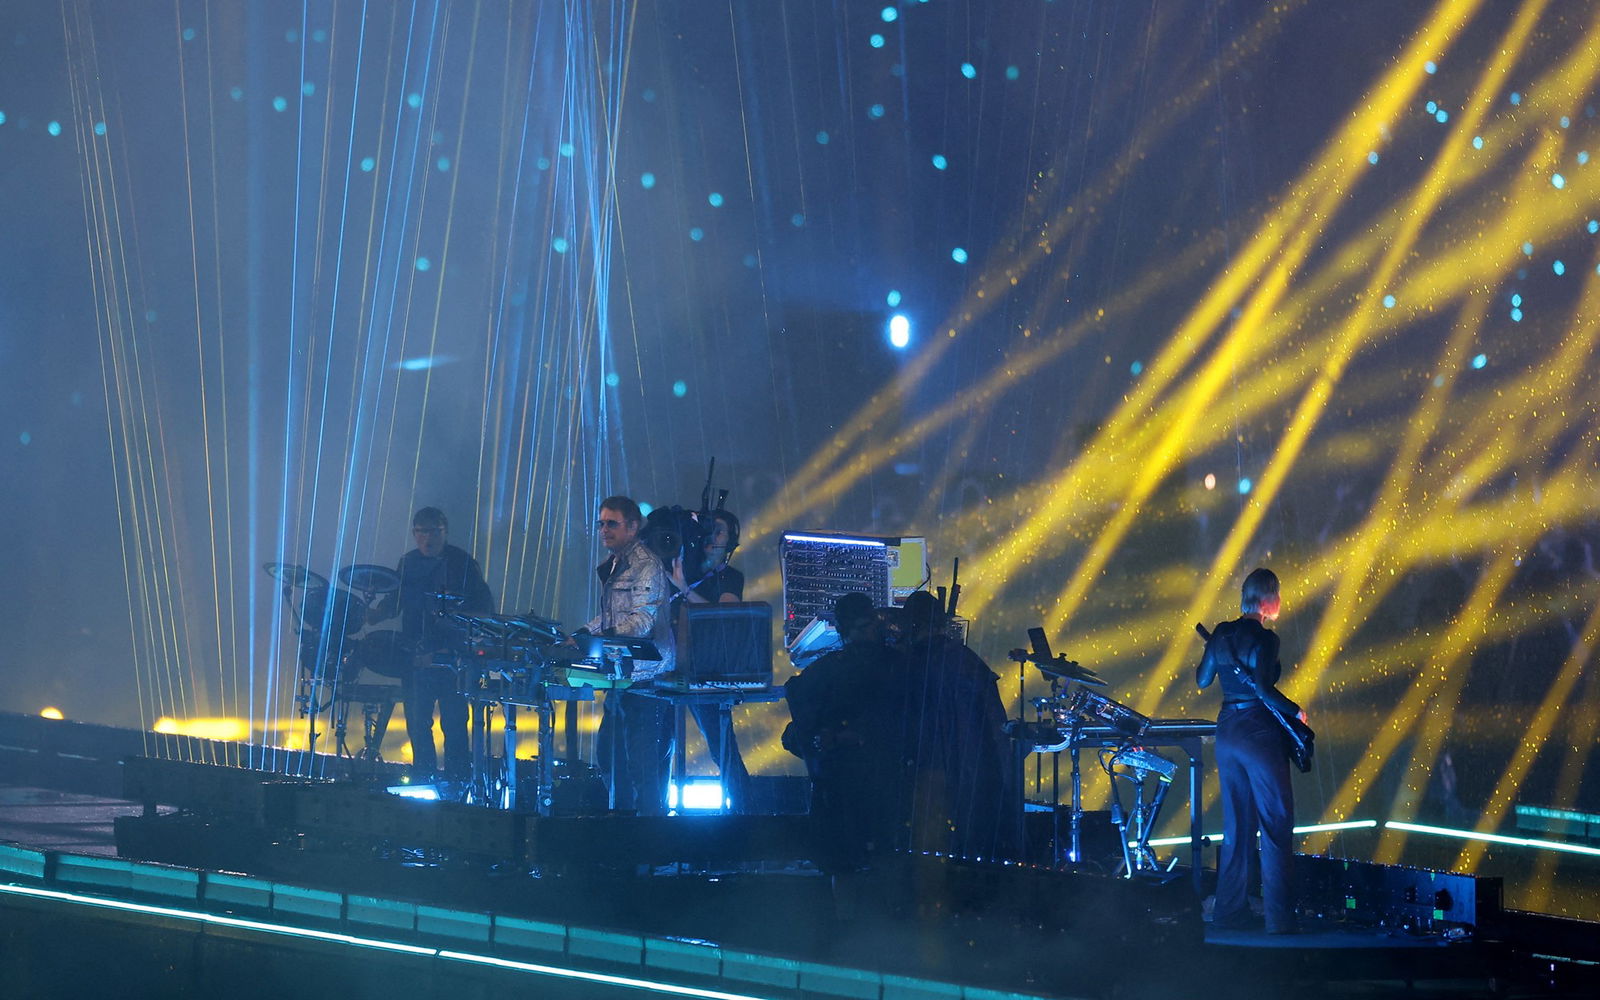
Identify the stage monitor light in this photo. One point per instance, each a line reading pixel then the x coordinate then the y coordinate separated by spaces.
pixel 697 795
pixel 426 793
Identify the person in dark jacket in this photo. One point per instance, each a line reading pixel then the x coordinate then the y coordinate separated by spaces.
pixel 847 727
pixel 433 568
pixel 1252 763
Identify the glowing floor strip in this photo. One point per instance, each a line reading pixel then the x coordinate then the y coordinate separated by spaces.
pixel 361 942
pixel 1494 838
pixel 1217 838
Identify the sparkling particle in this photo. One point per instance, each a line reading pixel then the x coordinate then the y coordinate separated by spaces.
pixel 1012 72
pixel 54 128
pixel 876 111
pixel 1244 486
pixel 188 34
pixel 1527 249
pixel 1211 480
pixel 443 163
pixel 889 15
pixel 560 244
pixel 822 138
pixel 715 199
pixel 1477 142
pixel 367 163
pixel 414 100
pixel 1372 157
pixel 1566 122
pixel 969 71
pixel 1516 299
pixel 613 380
pixel 680 388
pixel 697 234
pixel 647 180
pixel 308 88
pixel 566 149
pixel 797 220
pixel 1480 361
pixel 1516 98
pixel 280 104
pixel 893 298
pixel 1583 157
pixel 876 41
pixel 1430 67
pixel 1558 181
pixel 1594 225
pixel 1136 368
pixel 424 264
pixel 939 162
pixel 1441 116
pixel 1388 301
pixel 1559 268
pixel 959 255
pixel 1516 315
pixel 1433 106
pixel 99 128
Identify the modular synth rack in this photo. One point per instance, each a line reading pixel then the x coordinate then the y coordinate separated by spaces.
pixel 819 566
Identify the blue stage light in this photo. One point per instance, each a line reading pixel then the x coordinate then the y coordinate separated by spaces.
pixel 889 15
pixel 680 388
pixel 876 41
pixel 1516 315
pixel 319 36
pixel 1559 268
pixel 559 244
pixel 1559 181
pixel 1516 98
pixel 1527 249
pixel 969 71
pixel 900 331
pixel 1480 361
pixel 1388 301
pixel 1516 298
pixel 2 117
pixel 893 298
pixel 99 128
pixel 443 163
pixel 959 255
pixel 280 104
pixel 1477 142
pixel 424 264
pixel 697 234
pixel 1372 157
pixel 1583 157
pixel 822 138
pixel 1245 486
pixel 939 162
pixel 308 88
pixel 367 163
pixel 188 34
pixel 415 100
pixel 876 111
pixel 1430 67
pixel 797 220
pixel 613 380
pixel 543 163
pixel 715 199
pixel 54 128
pixel 1594 225
pixel 647 180
pixel 1012 73
pixel 1136 368
pixel 1441 116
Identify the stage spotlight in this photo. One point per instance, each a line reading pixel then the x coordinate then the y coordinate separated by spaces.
pixel 427 793
pixel 900 331
pixel 697 795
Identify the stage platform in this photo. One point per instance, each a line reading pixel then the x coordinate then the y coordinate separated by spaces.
pixel 256 894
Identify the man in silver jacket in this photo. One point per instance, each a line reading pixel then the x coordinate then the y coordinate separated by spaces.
pixel 635 730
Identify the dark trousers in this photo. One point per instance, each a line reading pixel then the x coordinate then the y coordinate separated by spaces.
pixel 635 744
pixel 425 687
pixel 730 765
pixel 1256 796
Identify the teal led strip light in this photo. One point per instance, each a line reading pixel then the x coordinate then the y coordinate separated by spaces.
pixel 1217 838
pixel 373 943
pixel 1495 838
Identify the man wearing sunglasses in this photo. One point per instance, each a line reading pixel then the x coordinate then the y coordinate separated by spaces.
pixel 635 730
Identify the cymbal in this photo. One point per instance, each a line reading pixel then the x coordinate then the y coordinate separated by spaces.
pixel 295 576
pixel 370 579
pixel 1069 670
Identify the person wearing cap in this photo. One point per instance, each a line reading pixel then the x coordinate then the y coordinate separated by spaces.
pixel 847 728
pixel 962 796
